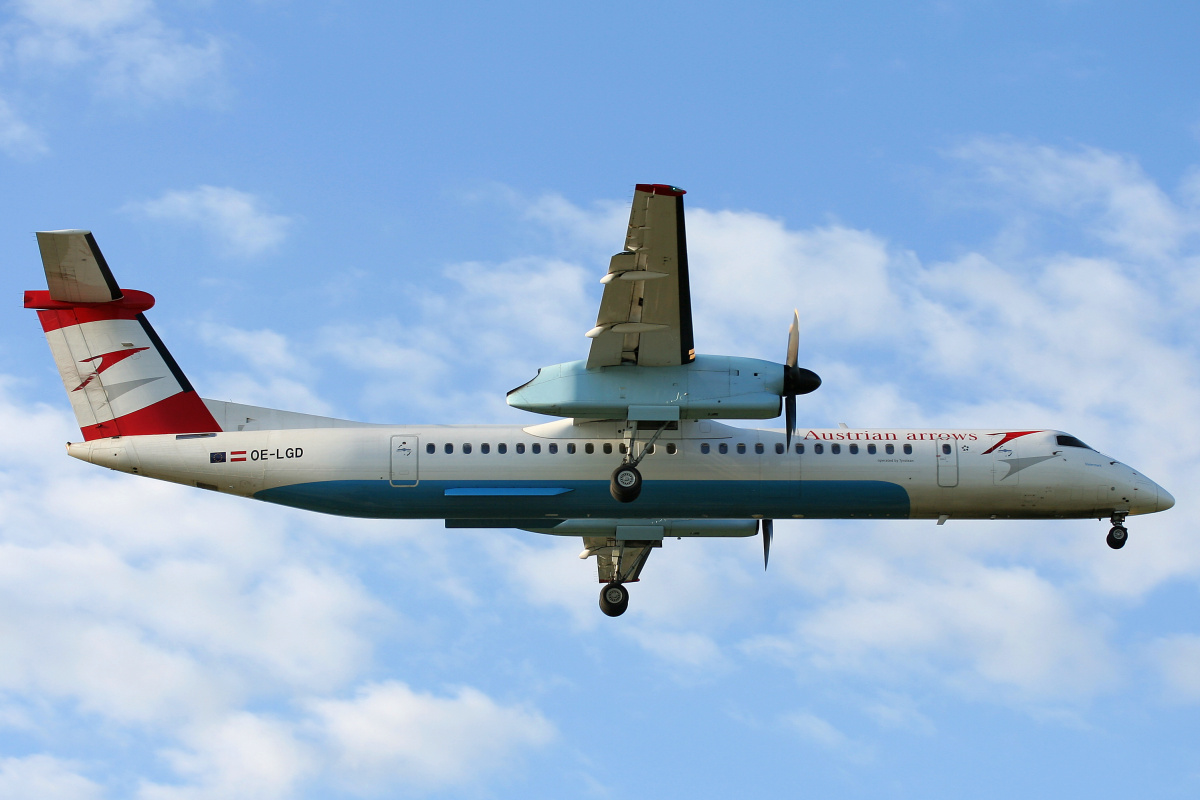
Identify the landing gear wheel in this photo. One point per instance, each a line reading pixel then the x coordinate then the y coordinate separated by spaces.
pixel 626 483
pixel 614 599
pixel 1117 536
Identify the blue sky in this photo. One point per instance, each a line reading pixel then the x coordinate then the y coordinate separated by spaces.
pixel 987 214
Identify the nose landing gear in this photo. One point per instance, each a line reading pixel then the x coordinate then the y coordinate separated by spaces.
pixel 1117 534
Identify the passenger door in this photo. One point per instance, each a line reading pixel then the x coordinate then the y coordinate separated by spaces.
pixel 405 454
pixel 947 461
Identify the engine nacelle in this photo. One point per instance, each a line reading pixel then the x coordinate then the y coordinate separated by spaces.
pixel 711 387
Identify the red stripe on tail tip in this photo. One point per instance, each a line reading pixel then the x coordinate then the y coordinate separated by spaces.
pixel 660 188
pixel 180 413
pixel 55 314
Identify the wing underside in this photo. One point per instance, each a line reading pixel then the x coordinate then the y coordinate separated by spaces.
pixel 645 313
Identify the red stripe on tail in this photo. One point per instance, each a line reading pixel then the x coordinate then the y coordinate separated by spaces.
pixel 180 413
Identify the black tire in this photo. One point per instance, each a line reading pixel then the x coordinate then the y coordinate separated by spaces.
pixel 626 484
pixel 1117 536
pixel 614 599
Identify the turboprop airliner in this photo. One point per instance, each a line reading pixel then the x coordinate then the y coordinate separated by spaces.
pixel 639 451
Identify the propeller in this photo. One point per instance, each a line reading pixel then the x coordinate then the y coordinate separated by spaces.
pixel 796 380
pixel 768 532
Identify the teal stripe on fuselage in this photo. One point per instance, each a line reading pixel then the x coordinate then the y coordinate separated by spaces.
pixel 660 498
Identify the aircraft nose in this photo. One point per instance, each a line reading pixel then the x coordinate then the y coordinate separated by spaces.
pixel 1165 500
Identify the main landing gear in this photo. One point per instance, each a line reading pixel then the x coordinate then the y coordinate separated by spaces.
pixel 626 483
pixel 614 599
pixel 1117 534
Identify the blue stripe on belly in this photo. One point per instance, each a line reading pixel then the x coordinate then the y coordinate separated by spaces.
pixel 529 499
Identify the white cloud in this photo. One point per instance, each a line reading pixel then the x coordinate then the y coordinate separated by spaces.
pixel 93 17
pixel 42 777
pixel 389 737
pixel 241 755
pixel 1127 209
pixel 17 138
pixel 821 732
pixel 235 220
pixel 1178 660
pixel 131 52
pixel 749 272
pixel 278 377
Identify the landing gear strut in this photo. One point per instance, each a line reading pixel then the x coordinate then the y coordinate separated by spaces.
pixel 626 483
pixel 1117 535
pixel 614 599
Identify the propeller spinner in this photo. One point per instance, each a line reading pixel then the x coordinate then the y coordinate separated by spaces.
pixel 796 380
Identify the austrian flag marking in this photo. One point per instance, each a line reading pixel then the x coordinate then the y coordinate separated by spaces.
pixel 237 455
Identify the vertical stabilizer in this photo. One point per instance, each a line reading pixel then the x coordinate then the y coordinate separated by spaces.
pixel 119 376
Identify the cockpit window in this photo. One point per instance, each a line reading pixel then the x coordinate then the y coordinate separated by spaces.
pixel 1071 441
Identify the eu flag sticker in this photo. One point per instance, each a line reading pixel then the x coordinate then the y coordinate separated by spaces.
pixel 216 458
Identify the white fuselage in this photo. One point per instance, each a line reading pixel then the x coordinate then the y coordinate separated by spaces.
pixel 560 470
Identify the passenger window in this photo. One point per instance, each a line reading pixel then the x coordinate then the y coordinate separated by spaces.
pixel 449 448
pixel 890 449
pixel 671 448
pixel 704 447
pixel 799 449
pixel 758 448
pixel 779 448
pixel 650 450
pixel 608 448
pixel 537 448
pixel 870 449
pixel 485 448
pixel 589 448
pixel 741 448
pixel 520 448
pixel 946 449
pixel 818 448
pixel 553 449
pixel 431 448
pixel 835 449
pixel 723 448
pixel 570 448
pixel 502 448
pixel 467 448
pixel 908 449
pixel 621 447
pixel 853 449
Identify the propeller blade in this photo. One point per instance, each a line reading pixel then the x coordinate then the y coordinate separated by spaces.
pixel 793 353
pixel 768 531
pixel 789 418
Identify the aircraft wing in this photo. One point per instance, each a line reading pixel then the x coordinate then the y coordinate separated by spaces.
pixel 645 313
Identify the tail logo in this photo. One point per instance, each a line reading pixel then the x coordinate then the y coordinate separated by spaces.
pixel 105 361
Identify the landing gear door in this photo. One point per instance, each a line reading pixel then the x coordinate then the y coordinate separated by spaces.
pixel 947 458
pixel 405 453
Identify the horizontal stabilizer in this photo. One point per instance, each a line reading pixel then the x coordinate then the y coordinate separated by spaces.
pixel 76 271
